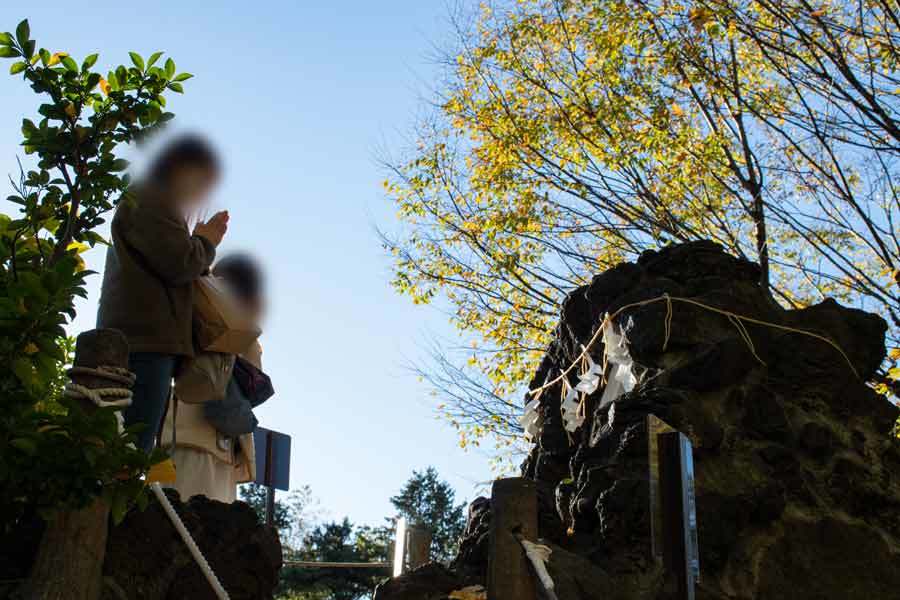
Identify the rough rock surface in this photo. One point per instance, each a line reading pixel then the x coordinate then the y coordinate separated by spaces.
pixel 798 479
pixel 146 559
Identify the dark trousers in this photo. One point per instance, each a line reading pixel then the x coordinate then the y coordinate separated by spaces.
pixel 154 373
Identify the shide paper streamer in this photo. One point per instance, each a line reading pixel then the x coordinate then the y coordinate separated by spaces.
pixel 621 379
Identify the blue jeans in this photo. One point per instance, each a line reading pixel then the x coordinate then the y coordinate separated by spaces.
pixel 154 373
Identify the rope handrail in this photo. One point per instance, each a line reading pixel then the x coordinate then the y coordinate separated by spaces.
pixel 188 540
pixel 337 565
pixel 735 318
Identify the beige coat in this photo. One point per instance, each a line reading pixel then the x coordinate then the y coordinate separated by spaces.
pixel 194 431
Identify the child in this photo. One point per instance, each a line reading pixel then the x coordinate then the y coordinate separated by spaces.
pixel 208 462
pixel 147 288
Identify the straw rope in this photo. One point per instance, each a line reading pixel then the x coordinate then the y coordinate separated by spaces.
pixel 736 319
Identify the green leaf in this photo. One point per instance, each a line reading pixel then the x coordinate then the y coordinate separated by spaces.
pixel 29 48
pixel 45 56
pixel 119 507
pixel 22 369
pixel 8 52
pixel 5 39
pixel 89 62
pixel 93 238
pixel 170 68
pixel 18 68
pixel 23 32
pixel 183 77
pixel 176 87
pixel 26 445
pixel 137 60
pixel 70 64
pixel 153 58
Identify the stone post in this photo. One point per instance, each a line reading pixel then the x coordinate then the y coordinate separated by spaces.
pixel 514 512
pixel 418 546
pixel 69 561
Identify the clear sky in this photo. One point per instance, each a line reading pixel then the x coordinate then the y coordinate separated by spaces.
pixel 300 96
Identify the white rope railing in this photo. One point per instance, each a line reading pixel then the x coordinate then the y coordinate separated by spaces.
pixel 189 541
pixel 318 564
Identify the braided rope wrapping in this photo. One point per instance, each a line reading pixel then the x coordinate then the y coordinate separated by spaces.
pixel 114 396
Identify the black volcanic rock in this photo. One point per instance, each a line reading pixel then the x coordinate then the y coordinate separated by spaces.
pixel 147 560
pixel 797 476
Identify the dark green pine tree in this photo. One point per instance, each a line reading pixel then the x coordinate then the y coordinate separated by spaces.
pixel 427 500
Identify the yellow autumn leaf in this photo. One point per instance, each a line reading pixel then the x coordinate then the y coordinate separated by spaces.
pixel 894 354
pixel 57 56
pixel 163 472
pixel 31 348
pixel 79 248
pixel 104 86
pixel 474 592
pixel 676 110
pixel 699 17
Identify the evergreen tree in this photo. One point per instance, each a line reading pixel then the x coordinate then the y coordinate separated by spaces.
pixel 427 500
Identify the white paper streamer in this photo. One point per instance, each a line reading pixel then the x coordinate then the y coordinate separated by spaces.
pixel 531 420
pixel 621 377
pixel 569 408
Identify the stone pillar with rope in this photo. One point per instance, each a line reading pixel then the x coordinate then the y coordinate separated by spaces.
pixel 69 562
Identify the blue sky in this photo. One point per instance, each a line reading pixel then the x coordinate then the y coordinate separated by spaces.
pixel 300 97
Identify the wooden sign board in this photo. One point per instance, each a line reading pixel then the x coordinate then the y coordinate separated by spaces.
pixel 273 458
pixel 681 551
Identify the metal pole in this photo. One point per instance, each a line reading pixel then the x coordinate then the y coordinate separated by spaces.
pixel 270 506
pixel 270 491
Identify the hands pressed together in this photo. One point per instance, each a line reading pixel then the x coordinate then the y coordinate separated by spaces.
pixel 214 229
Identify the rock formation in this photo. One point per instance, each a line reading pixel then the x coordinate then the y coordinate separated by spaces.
pixel 146 559
pixel 798 477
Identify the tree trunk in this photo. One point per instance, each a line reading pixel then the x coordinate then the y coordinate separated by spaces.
pixel 69 562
